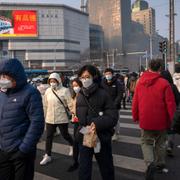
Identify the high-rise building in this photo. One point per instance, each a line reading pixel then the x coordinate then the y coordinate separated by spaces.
pixel 139 5
pixel 144 15
pixel 115 18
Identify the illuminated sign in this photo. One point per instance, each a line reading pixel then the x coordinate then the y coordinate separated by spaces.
pixel 18 23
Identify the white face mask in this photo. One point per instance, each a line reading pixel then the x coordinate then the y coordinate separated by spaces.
pixel 87 82
pixel 53 85
pixel 76 89
pixel 108 77
pixel 5 83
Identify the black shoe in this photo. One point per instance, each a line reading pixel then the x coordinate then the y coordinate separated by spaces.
pixel 150 172
pixel 73 167
pixel 161 169
pixel 169 152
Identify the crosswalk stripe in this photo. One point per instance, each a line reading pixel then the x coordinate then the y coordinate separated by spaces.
pixel 125 116
pixel 39 176
pixel 119 160
pixel 126 110
pixel 130 126
pixel 129 139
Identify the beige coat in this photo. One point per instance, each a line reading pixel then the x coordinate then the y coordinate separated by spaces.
pixel 53 109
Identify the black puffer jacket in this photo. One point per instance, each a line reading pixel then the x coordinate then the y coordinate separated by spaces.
pixel 100 101
pixel 114 89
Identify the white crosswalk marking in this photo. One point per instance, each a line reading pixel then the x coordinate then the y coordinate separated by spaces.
pixel 125 116
pixel 126 110
pixel 39 176
pixel 130 126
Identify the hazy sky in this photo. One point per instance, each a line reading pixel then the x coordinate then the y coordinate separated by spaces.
pixel 161 7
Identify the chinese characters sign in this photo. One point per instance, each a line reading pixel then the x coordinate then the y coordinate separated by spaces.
pixel 18 23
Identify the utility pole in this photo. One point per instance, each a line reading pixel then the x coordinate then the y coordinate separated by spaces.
pixel 151 46
pixel 171 36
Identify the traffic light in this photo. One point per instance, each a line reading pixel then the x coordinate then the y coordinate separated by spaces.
pixel 161 46
pixel 164 46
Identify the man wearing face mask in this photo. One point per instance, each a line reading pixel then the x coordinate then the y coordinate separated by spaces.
pixel 55 114
pixel 21 122
pixel 115 89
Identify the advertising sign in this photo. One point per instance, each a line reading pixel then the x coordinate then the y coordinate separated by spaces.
pixel 18 23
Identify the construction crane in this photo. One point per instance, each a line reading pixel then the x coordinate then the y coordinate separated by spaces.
pixel 84 5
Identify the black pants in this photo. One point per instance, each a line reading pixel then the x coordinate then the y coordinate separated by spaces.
pixel 123 102
pixel 104 160
pixel 51 128
pixel 76 145
pixel 16 168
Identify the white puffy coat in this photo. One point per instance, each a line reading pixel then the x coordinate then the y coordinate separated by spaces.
pixel 53 109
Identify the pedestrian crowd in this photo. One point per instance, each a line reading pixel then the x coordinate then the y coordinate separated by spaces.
pixel 91 102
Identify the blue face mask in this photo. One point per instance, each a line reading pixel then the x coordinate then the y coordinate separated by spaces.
pixel 108 77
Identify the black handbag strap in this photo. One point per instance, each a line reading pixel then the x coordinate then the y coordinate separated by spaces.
pixel 87 102
pixel 65 107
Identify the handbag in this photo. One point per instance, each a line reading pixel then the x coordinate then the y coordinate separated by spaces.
pixel 90 139
pixel 68 113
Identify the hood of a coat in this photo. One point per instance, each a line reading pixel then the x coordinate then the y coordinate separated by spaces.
pixel 149 78
pixel 55 76
pixel 14 68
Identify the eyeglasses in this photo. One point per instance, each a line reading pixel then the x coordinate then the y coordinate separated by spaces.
pixel 84 78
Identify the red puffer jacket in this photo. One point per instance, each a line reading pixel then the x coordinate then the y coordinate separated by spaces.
pixel 153 103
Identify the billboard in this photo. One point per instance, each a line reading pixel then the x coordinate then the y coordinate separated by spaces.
pixel 18 23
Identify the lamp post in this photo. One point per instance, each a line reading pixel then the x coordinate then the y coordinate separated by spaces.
pixel 151 46
pixel 55 50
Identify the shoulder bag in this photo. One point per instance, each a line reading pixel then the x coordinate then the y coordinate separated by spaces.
pixel 68 113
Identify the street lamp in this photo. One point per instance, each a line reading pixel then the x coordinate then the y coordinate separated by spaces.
pixel 55 50
pixel 151 46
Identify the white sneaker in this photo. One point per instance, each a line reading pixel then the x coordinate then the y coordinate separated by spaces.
pixel 46 159
pixel 115 137
pixel 71 151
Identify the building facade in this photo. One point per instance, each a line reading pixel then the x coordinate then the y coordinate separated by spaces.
pixel 144 16
pixel 115 18
pixel 96 41
pixel 63 37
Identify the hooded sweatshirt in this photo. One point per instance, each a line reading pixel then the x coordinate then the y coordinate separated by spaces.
pixel 153 102
pixel 21 111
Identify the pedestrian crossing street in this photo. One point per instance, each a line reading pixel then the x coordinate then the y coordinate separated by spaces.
pixel 125 149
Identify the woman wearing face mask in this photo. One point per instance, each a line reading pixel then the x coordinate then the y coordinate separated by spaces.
pixel 55 114
pixel 95 110
pixel 76 87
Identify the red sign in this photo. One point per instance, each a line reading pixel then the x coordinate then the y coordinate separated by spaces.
pixel 18 23
pixel 25 23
